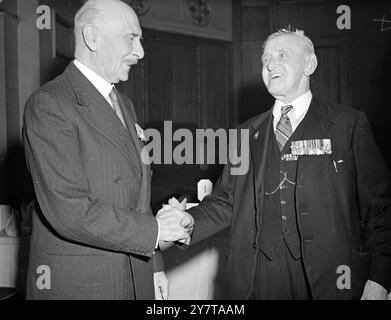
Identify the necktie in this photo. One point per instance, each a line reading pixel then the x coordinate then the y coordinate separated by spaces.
pixel 114 100
pixel 284 127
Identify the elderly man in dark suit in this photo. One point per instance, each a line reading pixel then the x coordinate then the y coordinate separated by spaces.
pixel 93 227
pixel 311 219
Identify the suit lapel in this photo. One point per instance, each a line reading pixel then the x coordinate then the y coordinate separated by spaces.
pixel 143 199
pixel 99 114
pixel 317 125
pixel 259 138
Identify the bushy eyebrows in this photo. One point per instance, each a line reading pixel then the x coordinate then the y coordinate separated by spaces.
pixel 281 50
pixel 134 35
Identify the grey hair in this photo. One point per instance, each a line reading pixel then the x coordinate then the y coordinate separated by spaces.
pixel 289 30
pixel 91 12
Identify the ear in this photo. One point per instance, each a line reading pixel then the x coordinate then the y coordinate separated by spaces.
pixel 90 36
pixel 310 64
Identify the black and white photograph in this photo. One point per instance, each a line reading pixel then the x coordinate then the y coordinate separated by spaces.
pixel 212 153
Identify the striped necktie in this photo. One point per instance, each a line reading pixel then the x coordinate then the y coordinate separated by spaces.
pixel 114 100
pixel 284 127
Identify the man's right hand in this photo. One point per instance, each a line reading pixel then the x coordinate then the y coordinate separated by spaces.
pixel 175 224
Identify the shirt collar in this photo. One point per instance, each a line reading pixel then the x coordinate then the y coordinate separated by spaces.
pixel 300 105
pixel 99 83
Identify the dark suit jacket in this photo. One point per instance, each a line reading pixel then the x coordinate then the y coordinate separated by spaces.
pixel 343 210
pixel 94 227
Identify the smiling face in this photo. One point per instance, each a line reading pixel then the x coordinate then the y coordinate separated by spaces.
pixel 286 67
pixel 118 45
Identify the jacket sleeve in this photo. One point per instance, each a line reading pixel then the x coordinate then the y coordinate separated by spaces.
pixel 374 190
pixel 61 186
pixel 214 213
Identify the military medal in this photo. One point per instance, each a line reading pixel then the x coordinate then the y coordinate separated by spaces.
pixel 314 147
pixel 289 157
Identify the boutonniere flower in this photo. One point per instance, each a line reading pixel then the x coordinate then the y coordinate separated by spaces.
pixel 140 133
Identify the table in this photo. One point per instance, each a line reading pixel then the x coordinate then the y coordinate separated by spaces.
pixel 198 272
pixel 13 261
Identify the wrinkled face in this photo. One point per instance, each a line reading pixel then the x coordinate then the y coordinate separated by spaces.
pixel 119 47
pixel 283 65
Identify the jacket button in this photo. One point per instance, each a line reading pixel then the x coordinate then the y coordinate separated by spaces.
pixel 117 180
pixel 283 202
pixel 254 245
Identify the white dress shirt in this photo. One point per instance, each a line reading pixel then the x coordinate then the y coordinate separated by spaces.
pixel 298 112
pixel 99 83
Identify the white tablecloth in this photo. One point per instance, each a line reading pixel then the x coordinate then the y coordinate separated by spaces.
pixel 198 272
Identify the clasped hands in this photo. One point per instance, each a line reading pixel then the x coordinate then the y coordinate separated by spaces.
pixel 175 225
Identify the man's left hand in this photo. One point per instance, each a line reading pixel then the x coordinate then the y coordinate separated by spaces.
pixel 374 291
pixel 161 285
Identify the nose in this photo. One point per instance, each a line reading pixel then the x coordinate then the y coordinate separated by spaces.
pixel 138 49
pixel 271 64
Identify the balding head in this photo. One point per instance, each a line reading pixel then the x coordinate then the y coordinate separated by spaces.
pixel 107 35
pixel 103 14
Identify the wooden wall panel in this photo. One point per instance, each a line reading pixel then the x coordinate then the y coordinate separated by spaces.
pixel 65 9
pixel 215 87
pixel 3 116
pixel 171 71
pixel 254 97
pixel 369 88
pixel 257 22
pixel 252 53
pixel 237 37
pixel 184 79
pixel 12 82
pixel 135 88
pixel 318 20
pixel 327 74
pixel 13 110
pixel 57 43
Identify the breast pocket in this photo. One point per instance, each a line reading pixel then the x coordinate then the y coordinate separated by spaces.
pixel 342 165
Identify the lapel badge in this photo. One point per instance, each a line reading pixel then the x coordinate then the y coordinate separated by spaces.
pixel 314 147
pixel 140 133
pixel 256 135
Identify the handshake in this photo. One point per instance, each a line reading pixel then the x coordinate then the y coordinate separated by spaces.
pixel 175 223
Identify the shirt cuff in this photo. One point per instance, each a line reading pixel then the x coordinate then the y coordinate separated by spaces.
pixel 158 234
